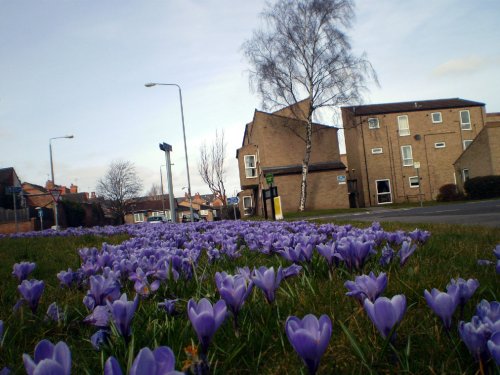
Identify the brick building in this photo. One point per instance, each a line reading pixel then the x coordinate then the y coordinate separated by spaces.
pixel 274 143
pixel 482 157
pixel 383 141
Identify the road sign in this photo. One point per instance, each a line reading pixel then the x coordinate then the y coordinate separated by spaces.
pixel 269 178
pixel 416 165
pixel 56 194
pixel 40 213
pixel 13 189
pixel 233 200
pixel 341 179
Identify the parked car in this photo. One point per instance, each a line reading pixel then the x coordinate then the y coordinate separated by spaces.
pixel 157 219
pixel 187 218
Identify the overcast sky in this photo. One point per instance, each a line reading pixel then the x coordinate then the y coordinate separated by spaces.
pixel 79 67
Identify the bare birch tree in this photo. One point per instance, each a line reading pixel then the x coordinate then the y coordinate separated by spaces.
pixel 211 165
pixel 303 52
pixel 119 185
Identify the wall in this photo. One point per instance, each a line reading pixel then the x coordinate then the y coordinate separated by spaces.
pixel 24 226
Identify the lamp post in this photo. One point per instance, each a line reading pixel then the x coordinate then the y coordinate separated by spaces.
pixel 151 84
pixel 56 215
pixel 162 195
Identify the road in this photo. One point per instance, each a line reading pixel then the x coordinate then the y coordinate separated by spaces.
pixel 485 213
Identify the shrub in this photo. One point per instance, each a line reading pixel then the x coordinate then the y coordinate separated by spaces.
pixel 448 193
pixel 483 187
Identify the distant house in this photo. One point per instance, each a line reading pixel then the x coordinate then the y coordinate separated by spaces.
pixel 205 205
pixel 399 152
pixel 273 143
pixel 482 157
pixel 8 178
pixel 141 208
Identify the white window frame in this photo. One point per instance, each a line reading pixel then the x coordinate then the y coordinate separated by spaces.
pixel 138 216
pixel 413 186
pixel 465 174
pixel 465 125
pixel 440 145
pixel 407 162
pixel 403 131
pixel 468 144
pixel 440 117
pixel 377 150
pixel 247 168
pixel 247 208
pixel 390 191
pixel 375 126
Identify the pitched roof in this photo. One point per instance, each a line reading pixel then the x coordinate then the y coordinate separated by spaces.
pixel 422 105
pixel 8 176
pixel 296 169
pixel 149 205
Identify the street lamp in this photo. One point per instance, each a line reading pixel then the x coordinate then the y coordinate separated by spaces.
pixel 167 148
pixel 151 84
pixel 52 174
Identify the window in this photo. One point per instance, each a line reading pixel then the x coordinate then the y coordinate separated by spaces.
pixel 414 181
pixel 373 123
pixel 139 217
pixel 250 167
pixel 439 145
pixel 377 150
pixel 465 120
pixel 247 205
pixel 407 156
pixel 465 174
pixel 403 125
pixel 467 142
pixel 383 191
pixel 436 117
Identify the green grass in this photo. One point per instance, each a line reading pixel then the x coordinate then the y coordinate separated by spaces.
pixel 422 346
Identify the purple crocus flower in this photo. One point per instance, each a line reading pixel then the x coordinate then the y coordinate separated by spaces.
pixel 99 316
pixel 122 313
pixel 31 291
pixel 497 268
pixel 407 249
pixel 49 359
pixel 54 312
pixel 141 283
pixel 5 371
pixel 367 286
pixel 496 251
pixel 484 262
pixel 160 361
pixel 206 319
pixel 290 271
pixel 354 252
pixel 268 281
pixel 169 305
pixel 309 337
pixel 465 289
pixel 328 251
pixel 102 289
pixel 99 339
pixel 475 335
pixel 443 304
pixel 385 313
pixel 234 290
pixel 494 347
pixel 66 278
pixel 387 255
pixel 22 270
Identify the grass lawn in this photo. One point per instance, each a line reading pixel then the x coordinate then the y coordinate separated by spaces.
pixel 422 346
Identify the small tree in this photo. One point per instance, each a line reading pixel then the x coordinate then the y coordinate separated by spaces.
pixel 119 185
pixel 303 52
pixel 211 166
pixel 154 192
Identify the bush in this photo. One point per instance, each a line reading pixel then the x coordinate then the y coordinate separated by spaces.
pixel 448 193
pixel 483 187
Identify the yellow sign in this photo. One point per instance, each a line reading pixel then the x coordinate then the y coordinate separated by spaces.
pixel 277 208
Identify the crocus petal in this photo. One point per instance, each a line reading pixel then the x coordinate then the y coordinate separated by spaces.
pixel 165 360
pixel 144 363
pixel 49 367
pixel 29 364
pixel 44 349
pixel 112 367
pixel 63 356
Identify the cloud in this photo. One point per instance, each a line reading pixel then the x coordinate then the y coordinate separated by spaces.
pixel 461 66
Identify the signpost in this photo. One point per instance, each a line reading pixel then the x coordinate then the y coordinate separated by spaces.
pixel 233 201
pixel 416 165
pixel 270 179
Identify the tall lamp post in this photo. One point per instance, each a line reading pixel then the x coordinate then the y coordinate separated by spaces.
pixel 151 84
pixel 167 148
pixel 56 215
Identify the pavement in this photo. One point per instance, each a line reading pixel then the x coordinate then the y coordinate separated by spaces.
pixel 485 213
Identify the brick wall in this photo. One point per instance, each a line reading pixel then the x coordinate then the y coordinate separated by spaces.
pixel 24 226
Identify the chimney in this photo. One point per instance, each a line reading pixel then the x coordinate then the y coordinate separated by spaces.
pixel 92 195
pixel 73 189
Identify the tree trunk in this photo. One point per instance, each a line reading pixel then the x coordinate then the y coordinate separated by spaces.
pixel 305 165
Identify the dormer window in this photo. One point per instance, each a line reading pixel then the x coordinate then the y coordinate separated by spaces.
pixel 373 123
